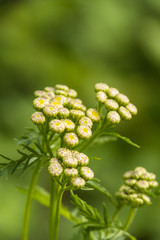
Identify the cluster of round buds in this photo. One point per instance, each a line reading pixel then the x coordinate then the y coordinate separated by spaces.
pixel 66 113
pixel 117 104
pixel 137 187
pixel 72 165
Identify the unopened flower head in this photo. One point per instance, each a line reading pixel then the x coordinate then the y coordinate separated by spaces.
pixel 57 126
pixel 49 95
pixel 62 87
pixel 53 160
pixel 74 153
pixel 39 93
pixel 138 172
pixel 122 99
pixel 112 92
pixel 113 117
pixel 63 152
pixel 111 105
pixel 101 97
pixel 40 103
pixel 153 184
pixel 71 139
pixel 61 92
pixel 69 125
pixel 61 99
pixel 63 112
pixel 84 132
pixel 38 118
pixel 101 87
pixel 146 199
pixel 86 173
pixel 71 172
pixel 78 182
pixel 49 89
pixel 50 111
pixel 86 121
pixel 132 108
pixel 76 114
pixel 127 175
pixel 124 113
pixel 75 100
pixel 130 182
pixel 83 159
pixel 142 185
pixel 72 93
pixel 93 114
pixel 70 161
pixel 55 169
pixel 55 103
pixel 76 105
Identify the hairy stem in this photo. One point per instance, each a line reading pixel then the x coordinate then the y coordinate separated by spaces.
pixel 29 201
pixel 130 218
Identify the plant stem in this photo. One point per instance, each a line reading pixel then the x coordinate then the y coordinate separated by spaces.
pixel 55 206
pixel 29 201
pixel 130 218
pixel 90 140
pixel 117 212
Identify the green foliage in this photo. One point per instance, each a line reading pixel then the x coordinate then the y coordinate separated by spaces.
pixel 91 214
pixel 96 184
pixel 116 135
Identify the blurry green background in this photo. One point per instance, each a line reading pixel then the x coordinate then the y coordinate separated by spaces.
pixel 80 43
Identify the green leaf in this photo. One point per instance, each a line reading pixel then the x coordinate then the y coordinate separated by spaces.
pixel 105 214
pixel 104 139
pixel 114 134
pixel 43 197
pixel 103 190
pixel 86 210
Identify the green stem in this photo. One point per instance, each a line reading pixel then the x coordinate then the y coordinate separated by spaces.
pixel 117 212
pixel 130 218
pixel 90 140
pixel 55 206
pixel 29 201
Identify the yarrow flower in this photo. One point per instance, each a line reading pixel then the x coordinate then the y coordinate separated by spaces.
pixel 137 188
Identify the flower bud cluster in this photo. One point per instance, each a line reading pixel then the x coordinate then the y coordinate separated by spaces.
pixel 72 166
pixel 117 104
pixel 65 113
pixel 137 187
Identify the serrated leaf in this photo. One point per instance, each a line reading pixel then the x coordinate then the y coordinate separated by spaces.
pixel 86 210
pixel 43 197
pixel 102 189
pixel 114 134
